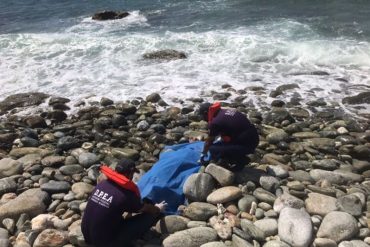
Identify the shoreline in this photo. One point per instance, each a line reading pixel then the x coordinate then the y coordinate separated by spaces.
pixel 311 171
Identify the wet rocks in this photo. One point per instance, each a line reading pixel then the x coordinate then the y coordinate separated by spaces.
pixel 109 15
pixel 361 98
pixel 165 55
pixel 21 100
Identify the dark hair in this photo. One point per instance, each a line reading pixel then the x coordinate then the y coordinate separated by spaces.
pixel 203 108
pixel 125 166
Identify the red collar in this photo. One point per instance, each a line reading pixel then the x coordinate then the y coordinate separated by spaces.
pixel 212 111
pixel 119 179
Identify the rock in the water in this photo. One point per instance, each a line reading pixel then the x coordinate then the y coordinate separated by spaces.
pixel 223 176
pixel 361 98
pixel 10 167
pixel 320 204
pixel 295 227
pixel 31 202
pixel 193 237
pixel 198 186
pixel 224 194
pixel 35 122
pixel 51 238
pixel 165 55
pixel 109 15
pixel 200 211
pixel 21 100
pixel 171 224
pixel 154 98
pixel 338 226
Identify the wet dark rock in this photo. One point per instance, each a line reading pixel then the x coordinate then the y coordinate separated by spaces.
pixel 29 142
pixel 53 187
pixel 278 115
pixel 35 122
pixel 21 100
pixel 109 15
pixel 165 55
pixel 277 103
pixel 58 100
pixel 221 96
pixel 154 98
pixel 6 140
pixel 361 98
pixel 61 107
pixel 68 142
pixel 316 103
pixel 57 116
pixel 106 102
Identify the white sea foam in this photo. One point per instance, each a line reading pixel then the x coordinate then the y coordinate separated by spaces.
pixel 96 58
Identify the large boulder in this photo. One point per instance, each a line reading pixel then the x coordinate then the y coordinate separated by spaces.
pixel 295 227
pixel 109 15
pixel 198 186
pixel 21 100
pixel 338 226
pixel 361 98
pixel 193 237
pixel 320 204
pixel 223 176
pixel 171 224
pixel 31 202
pixel 10 167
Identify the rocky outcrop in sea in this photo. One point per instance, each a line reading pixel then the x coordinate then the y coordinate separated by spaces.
pixel 306 185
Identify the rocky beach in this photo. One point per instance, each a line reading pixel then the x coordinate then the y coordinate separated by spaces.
pixel 306 185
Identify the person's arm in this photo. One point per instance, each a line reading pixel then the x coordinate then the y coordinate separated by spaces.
pixel 153 209
pixel 207 144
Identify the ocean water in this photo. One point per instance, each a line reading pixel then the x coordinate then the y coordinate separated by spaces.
pixel 53 46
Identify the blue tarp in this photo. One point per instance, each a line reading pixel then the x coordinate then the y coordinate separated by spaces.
pixel 165 180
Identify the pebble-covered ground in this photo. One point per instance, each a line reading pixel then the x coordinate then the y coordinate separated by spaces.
pixel 306 185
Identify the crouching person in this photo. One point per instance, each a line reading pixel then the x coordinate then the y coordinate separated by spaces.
pixel 103 224
pixel 239 137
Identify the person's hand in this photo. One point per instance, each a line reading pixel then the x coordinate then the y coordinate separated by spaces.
pixel 162 206
pixel 203 160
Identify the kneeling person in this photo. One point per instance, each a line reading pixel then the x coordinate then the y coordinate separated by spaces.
pixel 103 223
